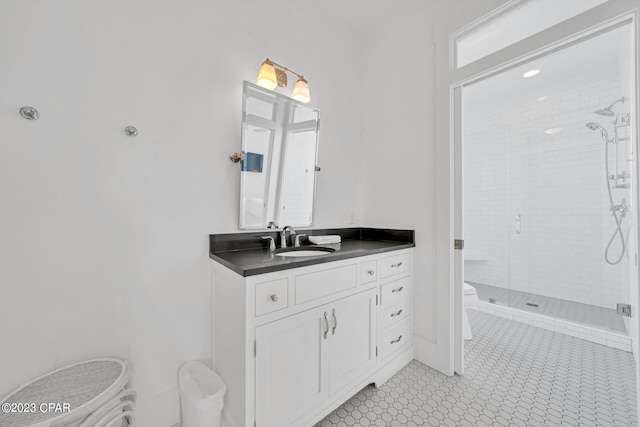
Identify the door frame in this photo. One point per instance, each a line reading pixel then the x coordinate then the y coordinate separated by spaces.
pixel 449 85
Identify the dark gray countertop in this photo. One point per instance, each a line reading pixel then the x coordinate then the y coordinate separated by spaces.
pixel 229 249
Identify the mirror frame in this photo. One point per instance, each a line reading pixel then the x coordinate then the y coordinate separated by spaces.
pixel 247 89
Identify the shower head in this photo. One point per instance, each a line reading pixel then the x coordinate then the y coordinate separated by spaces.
pixel 603 131
pixel 607 111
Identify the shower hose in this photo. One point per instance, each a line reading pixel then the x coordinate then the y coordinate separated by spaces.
pixel 618 215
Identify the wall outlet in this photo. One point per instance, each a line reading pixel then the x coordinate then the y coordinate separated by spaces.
pixel 352 217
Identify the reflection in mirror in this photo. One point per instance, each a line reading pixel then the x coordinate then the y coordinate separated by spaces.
pixel 279 154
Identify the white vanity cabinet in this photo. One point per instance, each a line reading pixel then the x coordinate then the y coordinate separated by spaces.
pixel 294 344
pixel 306 358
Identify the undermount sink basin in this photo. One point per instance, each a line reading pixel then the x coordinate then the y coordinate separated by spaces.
pixel 303 251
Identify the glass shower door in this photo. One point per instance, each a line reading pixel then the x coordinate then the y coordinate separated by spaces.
pixel 538 215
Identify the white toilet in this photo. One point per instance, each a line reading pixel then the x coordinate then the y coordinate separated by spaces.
pixel 470 295
pixel 470 300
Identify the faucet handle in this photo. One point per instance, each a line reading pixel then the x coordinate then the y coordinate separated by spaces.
pixel 297 241
pixel 272 242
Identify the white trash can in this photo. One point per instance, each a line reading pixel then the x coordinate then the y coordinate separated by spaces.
pixel 201 395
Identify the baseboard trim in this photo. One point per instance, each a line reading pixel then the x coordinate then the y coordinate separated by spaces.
pixel 429 353
pixel 159 410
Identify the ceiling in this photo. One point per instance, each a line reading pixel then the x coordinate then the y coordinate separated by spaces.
pixel 594 58
pixel 361 16
pixel 569 66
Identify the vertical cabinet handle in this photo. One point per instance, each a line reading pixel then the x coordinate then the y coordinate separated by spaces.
pixel 518 223
pixel 335 322
pixel 326 325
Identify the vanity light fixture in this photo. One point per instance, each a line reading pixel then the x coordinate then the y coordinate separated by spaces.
pixel 267 75
pixel 301 91
pixel 273 75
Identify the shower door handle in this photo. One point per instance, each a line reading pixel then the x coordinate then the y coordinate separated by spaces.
pixel 518 223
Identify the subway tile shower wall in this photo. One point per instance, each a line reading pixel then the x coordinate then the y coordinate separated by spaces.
pixel 556 183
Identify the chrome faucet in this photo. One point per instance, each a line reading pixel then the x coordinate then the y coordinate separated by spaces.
pixel 283 235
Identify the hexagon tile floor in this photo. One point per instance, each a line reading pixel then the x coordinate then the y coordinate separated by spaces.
pixel 516 375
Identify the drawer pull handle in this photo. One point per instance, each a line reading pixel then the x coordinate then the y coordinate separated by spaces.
pixel 274 297
pixel 397 313
pixel 396 265
pixel 335 322
pixel 371 272
pixel 397 289
pixel 397 340
pixel 326 325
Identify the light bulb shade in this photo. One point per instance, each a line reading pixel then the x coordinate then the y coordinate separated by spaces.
pixel 267 76
pixel 301 91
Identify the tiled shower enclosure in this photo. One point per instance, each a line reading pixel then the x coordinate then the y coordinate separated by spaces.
pixel 537 215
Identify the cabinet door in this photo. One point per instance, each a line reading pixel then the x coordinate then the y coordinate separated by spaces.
pixel 351 339
pixel 291 364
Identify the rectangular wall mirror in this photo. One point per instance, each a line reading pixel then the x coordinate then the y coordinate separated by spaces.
pixel 279 155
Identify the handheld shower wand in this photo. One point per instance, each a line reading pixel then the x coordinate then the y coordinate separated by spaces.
pixel 603 131
pixel 617 211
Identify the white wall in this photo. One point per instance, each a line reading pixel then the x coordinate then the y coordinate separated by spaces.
pixel 398 143
pixel 400 184
pixel 556 183
pixel 105 238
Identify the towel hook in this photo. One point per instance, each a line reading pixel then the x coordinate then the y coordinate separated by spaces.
pixel 29 113
pixel 131 131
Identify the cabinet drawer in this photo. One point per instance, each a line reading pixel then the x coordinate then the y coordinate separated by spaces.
pixel 322 283
pixel 395 264
pixel 368 272
pixel 394 339
pixel 394 292
pixel 271 296
pixel 394 314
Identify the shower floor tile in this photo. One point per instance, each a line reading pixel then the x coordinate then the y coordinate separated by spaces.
pixel 597 317
pixel 516 375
